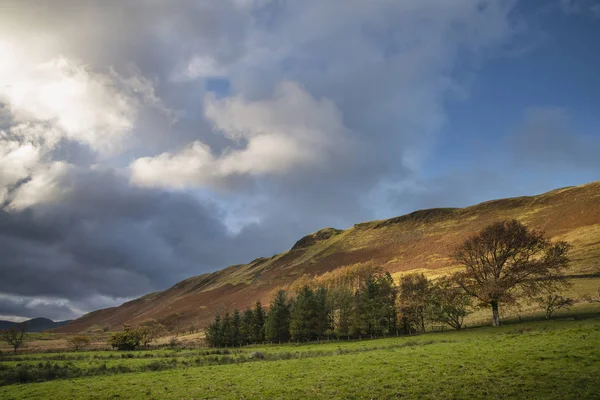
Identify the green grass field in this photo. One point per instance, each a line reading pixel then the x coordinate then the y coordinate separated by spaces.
pixel 556 359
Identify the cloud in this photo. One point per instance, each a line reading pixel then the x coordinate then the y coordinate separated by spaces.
pixel 290 131
pixel 81 105
pixel 105 111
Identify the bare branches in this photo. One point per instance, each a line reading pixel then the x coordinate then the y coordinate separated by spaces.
pixel 14 336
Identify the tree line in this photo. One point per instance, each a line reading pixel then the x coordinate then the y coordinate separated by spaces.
pixel 501 264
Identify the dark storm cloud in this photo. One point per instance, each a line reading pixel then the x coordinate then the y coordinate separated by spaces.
pixel 107 238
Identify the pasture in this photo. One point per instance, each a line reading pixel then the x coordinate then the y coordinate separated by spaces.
pixel 537 359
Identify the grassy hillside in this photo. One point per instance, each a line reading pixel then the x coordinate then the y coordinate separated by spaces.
pixel 534 360
pixel 420 241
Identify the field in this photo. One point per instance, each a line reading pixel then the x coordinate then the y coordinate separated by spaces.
pixel 536 359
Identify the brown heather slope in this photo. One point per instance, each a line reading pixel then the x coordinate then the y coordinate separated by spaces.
pixel 420 241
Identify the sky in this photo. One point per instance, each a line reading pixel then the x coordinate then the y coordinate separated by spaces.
pixel 144 141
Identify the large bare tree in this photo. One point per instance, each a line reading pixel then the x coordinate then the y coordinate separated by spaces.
pixel 506 260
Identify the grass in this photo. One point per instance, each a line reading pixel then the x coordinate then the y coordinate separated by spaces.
pixel 540 359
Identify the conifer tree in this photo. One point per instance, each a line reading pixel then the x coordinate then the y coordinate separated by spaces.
pixel 258 324
pixel 246 335
pixel 277 326
pixel 226 331
pixel 214 333
pixel 304 322
pixel 236 324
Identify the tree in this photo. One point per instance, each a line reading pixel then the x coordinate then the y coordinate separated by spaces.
pixel 128 339
pixel 151 330
pixel 552 302
pixel 14 336
pixel 246 326
pixel 449 304
pixel 79 342
pixel 236 325
pixel 226 331
pixel 277 326
pixel 258 324
pixel 374 309
pixel 506 260
pixel 341 299
pixel 214 333
pixel 304 319
pixel 415 297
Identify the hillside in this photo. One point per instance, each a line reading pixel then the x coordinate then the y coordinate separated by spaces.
pixel 35 324
pixel 420 241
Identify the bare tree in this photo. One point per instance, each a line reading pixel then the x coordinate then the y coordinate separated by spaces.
pixel 506 260
pixel 552 302
pixel 14 336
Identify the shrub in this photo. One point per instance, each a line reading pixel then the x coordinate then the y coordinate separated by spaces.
pixel 128 339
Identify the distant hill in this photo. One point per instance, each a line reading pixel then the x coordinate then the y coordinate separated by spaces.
pixel 35 324
pixel 420 241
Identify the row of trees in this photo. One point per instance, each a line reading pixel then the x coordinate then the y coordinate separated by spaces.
pixel 376 306
pixel 503 263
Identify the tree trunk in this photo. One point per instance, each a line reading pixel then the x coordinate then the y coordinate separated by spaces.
pixel 495 313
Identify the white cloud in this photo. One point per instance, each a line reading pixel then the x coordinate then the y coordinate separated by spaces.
pixel 45 186
pixel 84 106
pixel 291 130
pixel 48 100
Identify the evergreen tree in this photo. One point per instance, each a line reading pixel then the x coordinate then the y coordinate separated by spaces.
pixel 214 333
pixel 277 326
pixel 246 335
pixel 304 318
pixel 323 324
pixel 342 301
pixel 388 294
pixel 236 324
pixel 258 324
pixel 226 331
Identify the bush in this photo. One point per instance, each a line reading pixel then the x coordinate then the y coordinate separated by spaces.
pixel 128 339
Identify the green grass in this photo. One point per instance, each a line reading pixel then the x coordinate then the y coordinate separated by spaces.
pixel 542 359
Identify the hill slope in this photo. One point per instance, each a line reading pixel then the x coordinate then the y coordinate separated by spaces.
pixel 35 324
pixel 421 241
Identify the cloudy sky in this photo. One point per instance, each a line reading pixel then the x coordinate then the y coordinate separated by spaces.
pixel 146 141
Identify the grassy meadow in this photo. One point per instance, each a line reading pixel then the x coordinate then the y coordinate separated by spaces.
pixel 542 359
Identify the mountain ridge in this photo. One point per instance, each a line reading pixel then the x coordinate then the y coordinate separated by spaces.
pixel 421 240
pixel 39 324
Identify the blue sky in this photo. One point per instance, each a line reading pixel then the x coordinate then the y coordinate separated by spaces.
pixel 145 142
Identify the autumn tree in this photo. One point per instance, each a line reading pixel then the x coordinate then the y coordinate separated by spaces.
pixel 506 260
pixel 151 330
pixel 79 342
pixel 415 296
pixel 14 336
pixel 449 304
